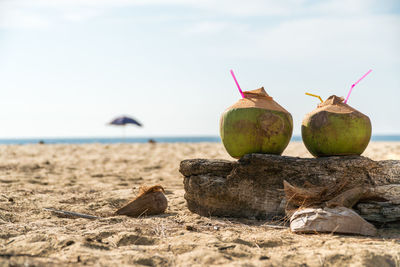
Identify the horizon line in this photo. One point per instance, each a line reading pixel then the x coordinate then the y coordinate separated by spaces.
pixel 151 136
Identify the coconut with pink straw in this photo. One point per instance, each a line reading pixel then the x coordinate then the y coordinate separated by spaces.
pixel 255 124
pixel 335 128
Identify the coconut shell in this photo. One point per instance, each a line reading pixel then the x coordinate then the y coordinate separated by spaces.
pixel 150 201
pixel 336 129
pixel 255 124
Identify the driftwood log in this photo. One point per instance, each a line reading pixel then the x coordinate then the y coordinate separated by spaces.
pixel 252 187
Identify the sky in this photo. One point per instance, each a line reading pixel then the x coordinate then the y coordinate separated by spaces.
pixel 68 67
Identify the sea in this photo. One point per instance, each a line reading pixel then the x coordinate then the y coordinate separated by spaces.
pixel 180 139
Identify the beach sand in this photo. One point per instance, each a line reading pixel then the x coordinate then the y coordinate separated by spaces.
pixel 97 179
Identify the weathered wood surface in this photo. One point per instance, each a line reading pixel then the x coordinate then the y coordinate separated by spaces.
pixel 252 187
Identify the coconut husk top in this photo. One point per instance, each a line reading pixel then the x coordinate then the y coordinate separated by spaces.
pixel 258 99
pixel 335 104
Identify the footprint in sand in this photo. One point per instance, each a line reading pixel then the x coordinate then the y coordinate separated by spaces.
pixel 132 239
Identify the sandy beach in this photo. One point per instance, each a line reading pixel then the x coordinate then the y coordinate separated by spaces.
pixel 98 179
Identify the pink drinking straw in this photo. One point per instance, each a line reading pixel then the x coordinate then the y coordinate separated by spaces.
pixel 351 89
pixel 237 84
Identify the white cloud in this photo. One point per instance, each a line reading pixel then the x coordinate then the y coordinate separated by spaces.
pixel 250 8
pixel 207 27
pixel 39 13
pixel 82 14
pixel 14 18
pixel 232 7
pixel 326 37
pixel 288 8
pixel 369 38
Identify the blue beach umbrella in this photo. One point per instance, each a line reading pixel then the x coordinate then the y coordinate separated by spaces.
pixel 123 120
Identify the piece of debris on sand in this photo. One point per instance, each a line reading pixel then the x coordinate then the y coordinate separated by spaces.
pixel 68 214
pixel 150 201
pixel 326 209
pixel 340 220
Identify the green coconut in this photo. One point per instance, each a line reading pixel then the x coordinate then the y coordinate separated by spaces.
pixel 336 129
pixel 255 124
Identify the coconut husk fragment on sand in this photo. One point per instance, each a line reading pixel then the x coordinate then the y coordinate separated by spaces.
pixel 150 201
pixel 332 195
pixel 311 195
pixel 338 220
pixel 348 198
